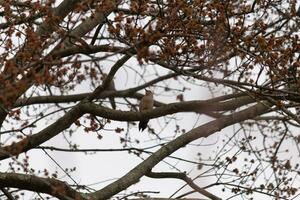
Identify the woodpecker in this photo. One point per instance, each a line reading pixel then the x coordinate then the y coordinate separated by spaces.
pixel 146 103
pixel 293 82
pixel 111 87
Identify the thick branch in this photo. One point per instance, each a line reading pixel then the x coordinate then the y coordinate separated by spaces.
pixel 49 186
pixel 41 137
pixel 187 106
pixel 60 13
pixel 98 18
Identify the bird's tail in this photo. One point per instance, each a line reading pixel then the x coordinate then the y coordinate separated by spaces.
pixel 143 125
pixel 112 102
pixel 298 112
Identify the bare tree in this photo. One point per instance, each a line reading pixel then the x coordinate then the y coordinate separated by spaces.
pixel 61 62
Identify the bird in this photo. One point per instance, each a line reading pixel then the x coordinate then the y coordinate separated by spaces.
pixel 146 103
pixel 293 82
pixel 110 87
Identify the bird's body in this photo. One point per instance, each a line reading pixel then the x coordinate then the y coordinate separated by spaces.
pixel 293 83
pixel 111 87
pixel 146 104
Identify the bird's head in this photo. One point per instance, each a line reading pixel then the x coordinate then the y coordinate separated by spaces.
pixel 104 75
pixel 148 93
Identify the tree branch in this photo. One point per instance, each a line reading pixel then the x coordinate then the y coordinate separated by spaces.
pixel 146 198
pixel 42 136
pixel 44 29
pixel 109 77
pixel 187 106
pixel 202 131
pixel 7 194
pixel 185 178
pixel 104 94
pixel 90 107
pixel 50 186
